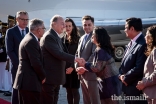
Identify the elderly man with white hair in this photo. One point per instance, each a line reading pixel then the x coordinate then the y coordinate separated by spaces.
pixel 55 55
pixel 30 74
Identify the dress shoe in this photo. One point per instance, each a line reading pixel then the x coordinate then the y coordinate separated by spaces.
pixel 7 93
pixel 1 91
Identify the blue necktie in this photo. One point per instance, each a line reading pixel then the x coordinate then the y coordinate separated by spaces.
pixel 23 33
pixel 84 41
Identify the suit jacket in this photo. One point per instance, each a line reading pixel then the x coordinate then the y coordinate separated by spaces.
pixel 132 65
pixel 86 52
pixel 149 78
pixel 30 71
pixel 12 41
pixel 55 57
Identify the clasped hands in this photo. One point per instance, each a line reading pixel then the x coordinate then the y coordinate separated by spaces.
pixel 122 79
pixel 140 85
pixel 81 63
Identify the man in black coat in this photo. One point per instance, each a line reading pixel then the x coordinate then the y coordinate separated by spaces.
pixel 55 57
pixel 30 74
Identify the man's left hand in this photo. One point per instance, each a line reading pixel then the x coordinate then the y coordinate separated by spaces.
pixel 140 85
pixel 122 79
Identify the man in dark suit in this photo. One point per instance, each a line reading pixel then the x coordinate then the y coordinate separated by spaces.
pixel 55 57
pixel 132 65
pixel 85 50
pixel 13 38
pixel 30 74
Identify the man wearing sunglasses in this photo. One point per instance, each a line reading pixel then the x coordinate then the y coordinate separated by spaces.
pixel 13 38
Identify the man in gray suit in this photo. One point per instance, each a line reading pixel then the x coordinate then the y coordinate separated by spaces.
pixel 85 50
pixel 55 56
pixel 13 38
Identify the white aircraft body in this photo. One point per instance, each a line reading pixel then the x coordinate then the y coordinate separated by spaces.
pixel 108 13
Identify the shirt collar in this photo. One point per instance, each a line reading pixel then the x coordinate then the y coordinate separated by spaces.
pixel 87 34
pixel 57 33
pixel 21 29
pixel 136 37
pixel 35 36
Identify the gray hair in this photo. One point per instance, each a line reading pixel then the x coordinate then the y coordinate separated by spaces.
pixel 34 23
pixel 54 19
pixel 21 13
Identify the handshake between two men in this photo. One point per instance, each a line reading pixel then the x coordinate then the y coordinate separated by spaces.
pixel 81 65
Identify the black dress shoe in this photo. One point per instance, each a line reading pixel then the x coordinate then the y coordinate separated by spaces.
pixel 1 91
pixel 7 93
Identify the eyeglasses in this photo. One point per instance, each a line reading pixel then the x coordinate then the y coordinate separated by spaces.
pixel 24 19
pixel 43 28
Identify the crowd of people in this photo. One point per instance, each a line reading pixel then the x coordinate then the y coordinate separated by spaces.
pixel 41 61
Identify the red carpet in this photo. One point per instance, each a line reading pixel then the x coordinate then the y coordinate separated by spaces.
pixel 4 102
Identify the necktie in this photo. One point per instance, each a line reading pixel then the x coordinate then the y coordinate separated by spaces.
pixel 23 33
pixel 130 44
pixel 128 48
pixel 84 40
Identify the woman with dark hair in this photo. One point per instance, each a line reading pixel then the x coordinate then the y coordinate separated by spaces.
pixel 72 84
pixel 104 66
pixel 148 83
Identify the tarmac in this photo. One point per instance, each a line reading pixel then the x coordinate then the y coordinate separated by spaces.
pixel 62 94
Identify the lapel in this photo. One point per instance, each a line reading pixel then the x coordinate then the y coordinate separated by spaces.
pixel 38 46
pixel 58 40
pixel 18 33
pixel 33 36
pixel 88 38
pixel 132 47
pixel 27 30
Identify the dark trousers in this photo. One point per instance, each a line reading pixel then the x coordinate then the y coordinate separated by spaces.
pixel 29 97
pixel 73 96
pixel 135 102
pixel 133 96
pixel 49 93
pixel 14 91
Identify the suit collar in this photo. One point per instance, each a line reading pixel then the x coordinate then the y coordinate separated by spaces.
pixel 33 36
pixel 88 38
pixel 59 41
pixel 18 32
pixel 26 29
pixel 133 46
pixel 54 33
pixel 136 37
